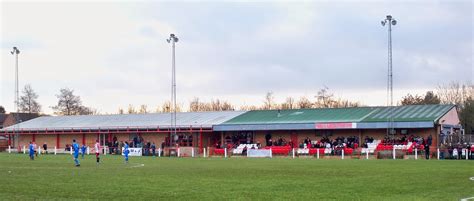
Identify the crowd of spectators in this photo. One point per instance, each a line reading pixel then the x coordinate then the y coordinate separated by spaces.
pixel 326 142
pixel 403 140
pixel 456 151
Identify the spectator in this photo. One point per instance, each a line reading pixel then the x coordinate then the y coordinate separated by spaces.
pixel 153 149
pixel 68 148
pixel 111 148
pixel 455 153
pixel 146 150
pixel 116 145
pixel 244 151
pixel 427 151
pixel 45 148
pixel 163 144
pixel 83 150
pixel 268 138
pixel 35 147
pixel 120 147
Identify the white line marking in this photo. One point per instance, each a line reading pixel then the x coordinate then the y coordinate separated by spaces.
pixel 472 178
pixel 138 165
pixel 466 199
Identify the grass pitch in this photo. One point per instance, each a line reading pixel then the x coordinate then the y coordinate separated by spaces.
pixel 55 177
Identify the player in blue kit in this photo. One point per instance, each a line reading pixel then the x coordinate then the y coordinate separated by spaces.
pixel 126 151
pixel 83 150
pixel 75 148
pixel 31 148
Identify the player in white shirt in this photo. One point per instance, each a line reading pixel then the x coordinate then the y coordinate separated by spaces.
pixel 97 150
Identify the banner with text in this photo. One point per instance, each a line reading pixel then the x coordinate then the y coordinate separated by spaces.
pixel 134 151
pixel 259 153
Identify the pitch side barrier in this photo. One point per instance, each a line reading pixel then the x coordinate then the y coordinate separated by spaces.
pixel 413 153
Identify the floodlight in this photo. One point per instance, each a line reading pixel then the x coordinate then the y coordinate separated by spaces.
pixel 383 23
pixel 15 51
pixel 394 22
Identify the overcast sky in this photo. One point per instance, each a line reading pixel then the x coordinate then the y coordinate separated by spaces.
pixel 115 53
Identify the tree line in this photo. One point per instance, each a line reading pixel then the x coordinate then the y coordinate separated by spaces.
pixel 68 103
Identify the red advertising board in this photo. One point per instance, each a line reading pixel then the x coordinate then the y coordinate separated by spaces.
pixel 338 125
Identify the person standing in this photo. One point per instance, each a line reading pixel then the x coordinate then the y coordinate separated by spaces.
pixel 97 149
pixel 427 151
pixel 45 148
pixel 35 148
pixel 75 148
pixel 153 149
pixel 31 151
pixel 126 151
pixel 83 150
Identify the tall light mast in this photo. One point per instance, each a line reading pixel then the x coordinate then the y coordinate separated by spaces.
pixel 389 21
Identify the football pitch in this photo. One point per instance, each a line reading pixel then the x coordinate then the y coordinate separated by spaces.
pixel 149 178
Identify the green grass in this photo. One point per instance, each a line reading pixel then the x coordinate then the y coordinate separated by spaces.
pixel 55 177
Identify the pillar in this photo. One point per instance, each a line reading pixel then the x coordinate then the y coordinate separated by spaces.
pixel 200 140
pixel 222 138
pixel 57 140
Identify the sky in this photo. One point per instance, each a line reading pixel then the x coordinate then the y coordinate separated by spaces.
pixel 114 53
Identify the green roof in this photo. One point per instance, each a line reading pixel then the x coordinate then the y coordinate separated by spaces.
pixel 357 114
pixel 410 113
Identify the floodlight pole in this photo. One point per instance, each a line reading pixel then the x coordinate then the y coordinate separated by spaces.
pixel 173 39
pixel 15 52
pixel 390 21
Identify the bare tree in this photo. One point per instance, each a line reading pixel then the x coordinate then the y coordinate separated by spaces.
pixel 120 110
pixel 269 102
pixel 324 99
pixel 196 105
pixel 248 107
pixel 455 93
pixel 215 105
pixel 2 110
pixel 143 109
pixel 304 103
pixel 342 103
pixel 70 104
pixel 131 109
pixel 226 106
pixel 28 101
pixel 288 104
pixel 89 111
pixel 166 107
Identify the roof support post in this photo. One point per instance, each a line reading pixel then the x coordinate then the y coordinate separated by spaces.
pixel 57 140
pixel 200 140
pixel 222 138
